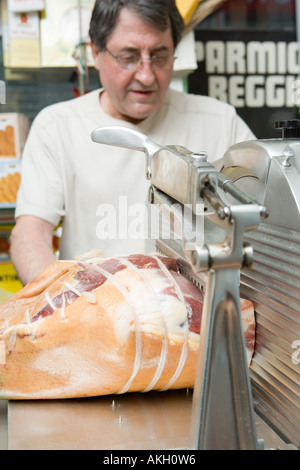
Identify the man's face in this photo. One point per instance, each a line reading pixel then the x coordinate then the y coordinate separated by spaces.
pixel 133 95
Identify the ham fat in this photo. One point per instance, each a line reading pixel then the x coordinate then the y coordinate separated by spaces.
pixel 103 326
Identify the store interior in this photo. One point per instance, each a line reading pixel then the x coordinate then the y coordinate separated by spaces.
pixel 242 52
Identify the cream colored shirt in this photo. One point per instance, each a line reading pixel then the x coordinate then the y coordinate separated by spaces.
pixel 100 191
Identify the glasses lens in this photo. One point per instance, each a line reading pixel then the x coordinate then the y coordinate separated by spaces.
pixel 162 61
pixel 128 60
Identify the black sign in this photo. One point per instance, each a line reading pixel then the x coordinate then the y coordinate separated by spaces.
pixel 257 72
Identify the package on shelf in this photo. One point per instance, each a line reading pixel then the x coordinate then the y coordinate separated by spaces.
pixel 14 128
pixel 22 6
pixel 21 38
pixel 10 178
pixel 61 25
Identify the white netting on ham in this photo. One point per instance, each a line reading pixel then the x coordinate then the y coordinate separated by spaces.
pixel 163 311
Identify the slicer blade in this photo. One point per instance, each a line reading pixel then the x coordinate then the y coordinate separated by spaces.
pixel 173 250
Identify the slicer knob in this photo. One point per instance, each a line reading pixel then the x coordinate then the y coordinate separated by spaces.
pixel 200 259
pixel 198 157
pixel 290 128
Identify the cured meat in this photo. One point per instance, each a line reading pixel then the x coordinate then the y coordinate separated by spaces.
pixel 103 326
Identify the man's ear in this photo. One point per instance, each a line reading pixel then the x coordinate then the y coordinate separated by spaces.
pixel 95 54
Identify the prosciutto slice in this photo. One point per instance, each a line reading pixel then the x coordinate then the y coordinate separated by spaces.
pixel 103 326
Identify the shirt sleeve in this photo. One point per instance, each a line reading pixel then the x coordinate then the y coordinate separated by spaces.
pixel 41 190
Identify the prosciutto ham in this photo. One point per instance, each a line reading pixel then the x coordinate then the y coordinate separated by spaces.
pixel 103 326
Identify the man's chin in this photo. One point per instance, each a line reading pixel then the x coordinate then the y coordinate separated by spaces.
pixel 141 113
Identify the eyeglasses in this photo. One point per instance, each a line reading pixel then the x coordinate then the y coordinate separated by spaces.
pixel 132 60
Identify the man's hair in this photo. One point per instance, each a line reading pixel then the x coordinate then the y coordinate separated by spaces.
pixel 158 13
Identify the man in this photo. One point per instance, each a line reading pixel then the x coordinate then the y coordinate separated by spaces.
pixel 96 189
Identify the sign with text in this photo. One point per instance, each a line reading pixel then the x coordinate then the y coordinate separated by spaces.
pixel 257 72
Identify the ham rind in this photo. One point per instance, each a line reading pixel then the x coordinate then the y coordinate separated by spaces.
pixel 104 326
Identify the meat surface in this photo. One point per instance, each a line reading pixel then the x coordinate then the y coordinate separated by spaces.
pixel 103 326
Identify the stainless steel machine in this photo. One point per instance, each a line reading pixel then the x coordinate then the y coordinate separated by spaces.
pixel 270 171
pixel 248 244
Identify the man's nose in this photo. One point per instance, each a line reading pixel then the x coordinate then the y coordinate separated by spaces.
pixel 145 72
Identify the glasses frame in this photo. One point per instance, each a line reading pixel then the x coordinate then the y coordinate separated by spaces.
pixel 136 66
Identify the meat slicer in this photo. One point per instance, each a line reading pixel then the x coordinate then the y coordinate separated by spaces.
pixel 239 208
pixel 270 170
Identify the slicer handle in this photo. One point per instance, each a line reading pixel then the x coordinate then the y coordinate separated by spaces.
pixel 128 138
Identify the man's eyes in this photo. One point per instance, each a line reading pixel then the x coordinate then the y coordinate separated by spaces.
pixel 129 57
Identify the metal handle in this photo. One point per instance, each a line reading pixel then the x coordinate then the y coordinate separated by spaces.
pixel 128 138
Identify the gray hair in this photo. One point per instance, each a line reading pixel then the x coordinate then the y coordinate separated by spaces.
pixel 158 13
